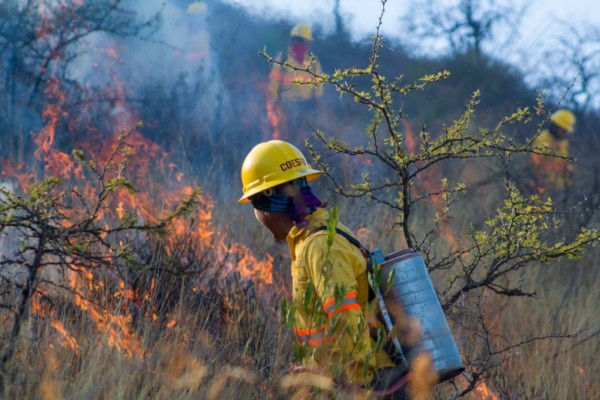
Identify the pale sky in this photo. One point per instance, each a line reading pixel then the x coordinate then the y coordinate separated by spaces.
pixel 365 13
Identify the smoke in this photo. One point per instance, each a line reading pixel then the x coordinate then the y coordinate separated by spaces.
pixel 180 47
pixel 197 82
pixel 319 14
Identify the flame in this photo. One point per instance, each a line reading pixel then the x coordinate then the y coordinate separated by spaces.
pixel 484 393
pixel 431 182
pixel 162 186
pixel 239 258
pixel 364 236
pixel 276 117
pixel 68 340
pixel 409 137
pixel 117 328
pixel 588 385
pixel 57 163
pixel 21 172
pixel 171 324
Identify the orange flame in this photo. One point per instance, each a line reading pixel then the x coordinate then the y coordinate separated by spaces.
pixel 276 117
pixel 431 183
pixel 57 162
pixel 588 385
pixel 409 137
pixel 163 187
pixel 68 340
pixel 484 393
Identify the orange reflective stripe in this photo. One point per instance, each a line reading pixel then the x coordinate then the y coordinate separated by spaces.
pixel 328 304
pixel 349 303
pixel 310 336
pixel 276 74
pixel 308 331
pixel 549 163
pixel 311 342
pixel 558 165
pixel 346 307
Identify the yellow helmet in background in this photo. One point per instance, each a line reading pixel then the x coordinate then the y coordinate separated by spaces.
pixel 272 163
pixel 564 118
pixel 196 7
pixel 302 31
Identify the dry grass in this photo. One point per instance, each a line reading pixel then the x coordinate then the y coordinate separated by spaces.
pixel 567 304
pixel 185 362
pixel 204 356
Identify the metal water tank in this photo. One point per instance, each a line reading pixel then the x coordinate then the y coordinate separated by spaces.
pixel 411 291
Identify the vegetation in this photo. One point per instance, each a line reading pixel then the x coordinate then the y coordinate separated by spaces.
pixel 119 280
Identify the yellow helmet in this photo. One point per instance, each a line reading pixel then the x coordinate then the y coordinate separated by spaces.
pixel 196 7
pixel 564 118
pixel 272 163
pixel 302 31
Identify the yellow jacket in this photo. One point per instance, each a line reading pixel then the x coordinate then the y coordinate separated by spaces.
pixel 280 80
pixel 551 171
pixel 330 298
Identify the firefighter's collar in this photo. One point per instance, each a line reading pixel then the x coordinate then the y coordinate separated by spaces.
pixel 317 218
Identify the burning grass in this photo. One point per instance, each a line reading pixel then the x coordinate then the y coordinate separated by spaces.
pixel 222 342
pixel 194 341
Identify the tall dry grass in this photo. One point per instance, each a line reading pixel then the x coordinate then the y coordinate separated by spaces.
pixel 245 351
pixel 567 304
pixel 204 354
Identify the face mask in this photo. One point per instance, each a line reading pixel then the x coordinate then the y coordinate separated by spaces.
pixel 299 50
pixel 272 203
pixel 298 207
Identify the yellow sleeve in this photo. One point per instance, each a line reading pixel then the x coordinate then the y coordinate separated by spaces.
pixel 332 272
pixel 543 141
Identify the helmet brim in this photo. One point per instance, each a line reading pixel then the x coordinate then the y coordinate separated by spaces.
pixel 309 174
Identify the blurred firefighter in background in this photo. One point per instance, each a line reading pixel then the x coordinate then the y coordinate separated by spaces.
pixel 196 40
pixel 553 171
pixel 330 296
pixel 288 104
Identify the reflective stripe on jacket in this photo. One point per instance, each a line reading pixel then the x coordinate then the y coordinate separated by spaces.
pixel 280 80
pixel 330 295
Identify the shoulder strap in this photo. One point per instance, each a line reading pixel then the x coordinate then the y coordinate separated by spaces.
pixel 341 232
pixel 365 251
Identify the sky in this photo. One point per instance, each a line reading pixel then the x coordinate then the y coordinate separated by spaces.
pixel 365 13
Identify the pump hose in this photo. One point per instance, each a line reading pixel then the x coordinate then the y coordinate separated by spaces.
pixel 395 387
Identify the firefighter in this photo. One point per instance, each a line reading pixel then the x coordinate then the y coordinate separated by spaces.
pixel 330 286
pixel 196 37
pixel 292 102
pixel 552 171
pixel 298 56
